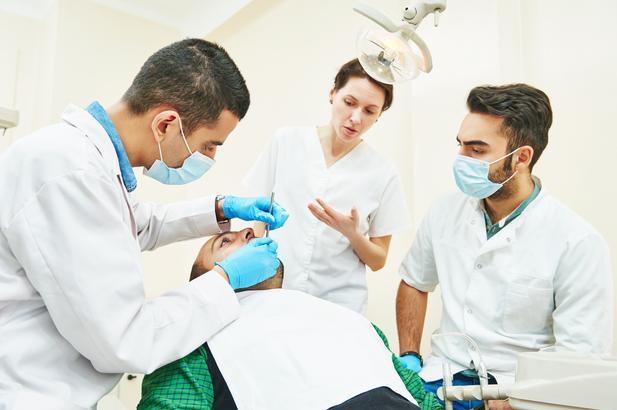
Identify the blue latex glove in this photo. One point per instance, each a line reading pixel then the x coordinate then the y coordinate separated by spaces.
pixel 411 362
pixel 255 209
pixel 251 264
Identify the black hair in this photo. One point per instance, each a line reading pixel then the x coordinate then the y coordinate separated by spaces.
pixel 526 113
pixel 195 77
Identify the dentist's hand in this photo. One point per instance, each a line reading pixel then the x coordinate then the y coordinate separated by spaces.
pixel 251 264
pixel 411 362
pixel 255 209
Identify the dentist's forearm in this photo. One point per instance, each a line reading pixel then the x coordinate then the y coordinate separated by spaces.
pixel 373 252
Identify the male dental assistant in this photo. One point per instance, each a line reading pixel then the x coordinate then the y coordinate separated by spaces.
pixel 73 314
pixel 518 270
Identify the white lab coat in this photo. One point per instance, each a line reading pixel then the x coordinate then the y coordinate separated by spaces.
pixel 318 259
pixel 289 350
pixel 544 279
pixel 73 314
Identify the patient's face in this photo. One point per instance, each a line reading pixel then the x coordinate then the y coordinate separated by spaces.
pixel 220 246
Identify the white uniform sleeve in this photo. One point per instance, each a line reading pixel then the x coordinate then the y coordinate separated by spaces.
pixel 392 215
pixel 418 268
pixel 262 176
pixel 159 225
pixel 583 286
pixel 84 262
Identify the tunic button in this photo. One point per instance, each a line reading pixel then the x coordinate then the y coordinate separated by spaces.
pixel 479 266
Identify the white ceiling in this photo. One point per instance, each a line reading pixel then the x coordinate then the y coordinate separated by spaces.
pixel 195 18
pixel 37 9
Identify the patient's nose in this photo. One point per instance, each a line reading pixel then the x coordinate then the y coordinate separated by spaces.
pixel 248 234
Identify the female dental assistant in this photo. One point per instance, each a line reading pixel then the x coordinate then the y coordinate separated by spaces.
pixel 345 201
pixel 73 313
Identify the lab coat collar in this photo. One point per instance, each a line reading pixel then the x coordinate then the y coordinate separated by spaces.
pixel 244 294
pixel 507 235
pixel 82 120
pixel 248 293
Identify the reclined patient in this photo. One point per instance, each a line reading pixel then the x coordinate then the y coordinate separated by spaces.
pixel 287 350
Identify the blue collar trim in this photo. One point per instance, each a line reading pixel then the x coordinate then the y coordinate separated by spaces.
pixel 128 176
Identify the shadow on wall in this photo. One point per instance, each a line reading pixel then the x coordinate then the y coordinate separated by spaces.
pixel 247 16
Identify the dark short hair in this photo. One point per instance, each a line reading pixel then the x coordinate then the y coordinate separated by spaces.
pixel 353 69
pixel 195 77
pixel 197 269
pixel 526 113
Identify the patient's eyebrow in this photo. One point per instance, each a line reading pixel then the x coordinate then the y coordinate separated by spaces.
pixel 472 142
pixel 216 239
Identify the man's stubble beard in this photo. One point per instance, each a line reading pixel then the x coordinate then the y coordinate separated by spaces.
pixel 509 189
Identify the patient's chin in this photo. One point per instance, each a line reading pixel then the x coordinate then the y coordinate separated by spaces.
pixel 273 282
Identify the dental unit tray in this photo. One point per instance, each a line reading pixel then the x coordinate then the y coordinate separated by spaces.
pixel 548 380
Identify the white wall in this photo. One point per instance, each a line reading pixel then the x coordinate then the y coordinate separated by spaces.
pixel 289 51
pixel 19 71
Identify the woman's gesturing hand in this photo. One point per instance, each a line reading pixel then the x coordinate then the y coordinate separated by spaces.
pixel 348 225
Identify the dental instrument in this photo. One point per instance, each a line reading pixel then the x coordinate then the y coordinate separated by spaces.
pixel 270 211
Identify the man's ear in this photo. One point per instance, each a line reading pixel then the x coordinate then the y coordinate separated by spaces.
pixel 165 123
pixel 524 155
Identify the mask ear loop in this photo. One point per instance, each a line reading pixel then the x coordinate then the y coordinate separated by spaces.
pixel 515 172
pixel 160 152
pixel 511 176
pixel 507 155
pixel 183 137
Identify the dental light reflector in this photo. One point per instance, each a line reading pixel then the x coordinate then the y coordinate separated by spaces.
pixel 387 57
pixel 387 54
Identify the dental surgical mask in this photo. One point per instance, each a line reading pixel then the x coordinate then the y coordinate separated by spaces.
pixel 471 176
pixel 193 167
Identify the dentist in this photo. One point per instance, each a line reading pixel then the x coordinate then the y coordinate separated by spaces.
pixel 73 313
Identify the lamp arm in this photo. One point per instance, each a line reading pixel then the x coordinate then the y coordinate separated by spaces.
pixel 411 35
pixel 417 10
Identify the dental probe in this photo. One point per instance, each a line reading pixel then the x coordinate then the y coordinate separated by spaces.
pixel 270 211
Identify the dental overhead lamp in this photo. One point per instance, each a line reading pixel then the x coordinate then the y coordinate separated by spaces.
pixel 8 119
pixel 389 56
